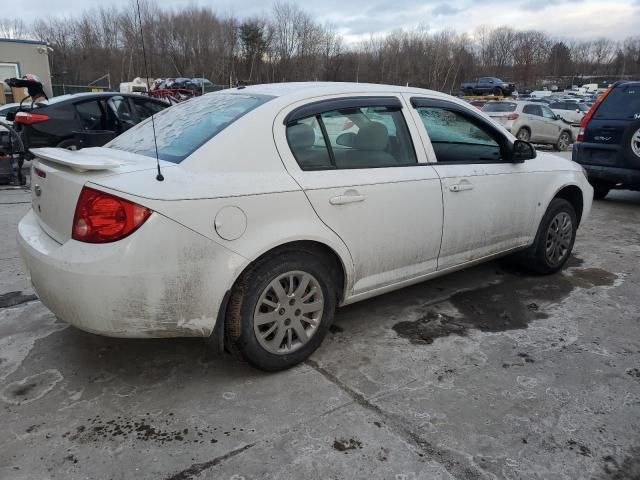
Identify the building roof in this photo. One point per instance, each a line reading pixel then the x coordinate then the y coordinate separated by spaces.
pixel 15 40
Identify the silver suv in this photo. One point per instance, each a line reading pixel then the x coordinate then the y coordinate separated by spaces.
pixel 532 122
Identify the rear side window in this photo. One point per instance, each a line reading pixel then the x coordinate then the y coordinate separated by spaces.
pixel 623 103
pixel 505 107
pixel 145 108
pixel 367 137
pixel 185 127
pixel 532 110
pixel 91 114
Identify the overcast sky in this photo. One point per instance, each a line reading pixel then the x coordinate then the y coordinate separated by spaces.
pixel 358 19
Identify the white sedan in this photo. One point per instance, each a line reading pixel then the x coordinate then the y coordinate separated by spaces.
pixel 264 222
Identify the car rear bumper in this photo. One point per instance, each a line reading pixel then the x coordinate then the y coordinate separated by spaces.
pixel 600 165
pixel 162 281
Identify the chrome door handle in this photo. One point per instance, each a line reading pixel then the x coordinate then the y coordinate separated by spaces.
pixel 459 187
pixel 349 196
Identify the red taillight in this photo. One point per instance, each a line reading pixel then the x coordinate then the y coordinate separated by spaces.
pixel 102 218
pixel 587 118
pixel 27 118
pixel 513 116
pixel 40 173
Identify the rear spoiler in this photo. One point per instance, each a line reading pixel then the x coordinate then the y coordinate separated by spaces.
pixel 80 160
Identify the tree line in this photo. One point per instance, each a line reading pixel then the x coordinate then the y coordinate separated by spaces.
pixel 288 44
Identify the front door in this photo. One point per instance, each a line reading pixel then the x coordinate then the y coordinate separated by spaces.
pixel 355 159
pixel 489 204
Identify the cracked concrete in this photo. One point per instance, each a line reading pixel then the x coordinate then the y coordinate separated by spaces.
pixel 488 373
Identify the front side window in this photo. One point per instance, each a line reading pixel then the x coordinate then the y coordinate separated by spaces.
pixel 185 127
pixel 358 137
pixel 547 113
pixel 456 138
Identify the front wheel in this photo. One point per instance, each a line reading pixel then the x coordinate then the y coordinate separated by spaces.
pixel 280 310
pixel 554 240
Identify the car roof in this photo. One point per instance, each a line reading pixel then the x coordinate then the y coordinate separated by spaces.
pixel 304 90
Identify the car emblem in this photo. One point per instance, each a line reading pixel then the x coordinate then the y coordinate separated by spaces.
pixel 37 190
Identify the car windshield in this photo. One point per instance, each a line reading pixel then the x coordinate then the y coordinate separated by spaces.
pixel 499 107
pixel 183 128
pixel 623 103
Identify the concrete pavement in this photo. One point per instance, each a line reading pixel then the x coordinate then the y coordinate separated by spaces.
pixel 486 373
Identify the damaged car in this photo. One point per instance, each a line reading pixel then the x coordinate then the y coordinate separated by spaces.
pixel 236 216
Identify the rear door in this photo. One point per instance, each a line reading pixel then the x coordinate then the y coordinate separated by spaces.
pixel 370 183
pixel 489 203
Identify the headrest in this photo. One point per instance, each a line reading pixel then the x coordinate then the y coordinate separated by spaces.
pixel 372 136
pixel 301 136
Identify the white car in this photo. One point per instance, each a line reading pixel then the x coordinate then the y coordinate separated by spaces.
pixel 261 227
pixel 569 110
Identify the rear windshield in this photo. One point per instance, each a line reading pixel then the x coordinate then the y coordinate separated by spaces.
pixel 499 107
pixel 623 103
pixel 183 128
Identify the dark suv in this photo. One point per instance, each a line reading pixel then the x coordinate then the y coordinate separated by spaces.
pixel 608 145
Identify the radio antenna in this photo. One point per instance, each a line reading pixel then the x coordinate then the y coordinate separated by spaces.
pixel 159 176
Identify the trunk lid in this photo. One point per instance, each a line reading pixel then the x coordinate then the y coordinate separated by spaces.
pixel 58 176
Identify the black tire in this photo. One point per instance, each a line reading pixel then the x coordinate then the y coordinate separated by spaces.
pixel 69 144
pixel 498 92
pixel 564 140
pixel 535 258
pixel 239 324
pixel 630 155
pixel 600 190
pixel 523 134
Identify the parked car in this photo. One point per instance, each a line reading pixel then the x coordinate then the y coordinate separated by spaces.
pixel 488 85
pixel 532 122
pixel 61 121
pixel 263 225
pixel 569 110
pixel 478 103
pixel 608 145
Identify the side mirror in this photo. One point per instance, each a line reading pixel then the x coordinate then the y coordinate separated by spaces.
pixel 346 139
pixel 10 116
pixel 521 151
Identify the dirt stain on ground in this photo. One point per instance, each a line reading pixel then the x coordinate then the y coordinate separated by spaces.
pixel 627 469
pixel 508 305
pixel 11 299
pixel 344 445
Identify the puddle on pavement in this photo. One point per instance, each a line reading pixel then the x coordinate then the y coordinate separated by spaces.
pixel 510 304
pixel 31 388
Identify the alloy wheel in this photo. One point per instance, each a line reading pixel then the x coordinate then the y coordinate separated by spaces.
pixel 635 143
pixel 288 312
pixel 559 237
pixel 563 141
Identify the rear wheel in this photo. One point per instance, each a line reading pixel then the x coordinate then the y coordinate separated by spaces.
pixel 600 189
pixel 563 142
pixel 523 134
pixel 554 239
pixel 497 92
pixel 280 311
